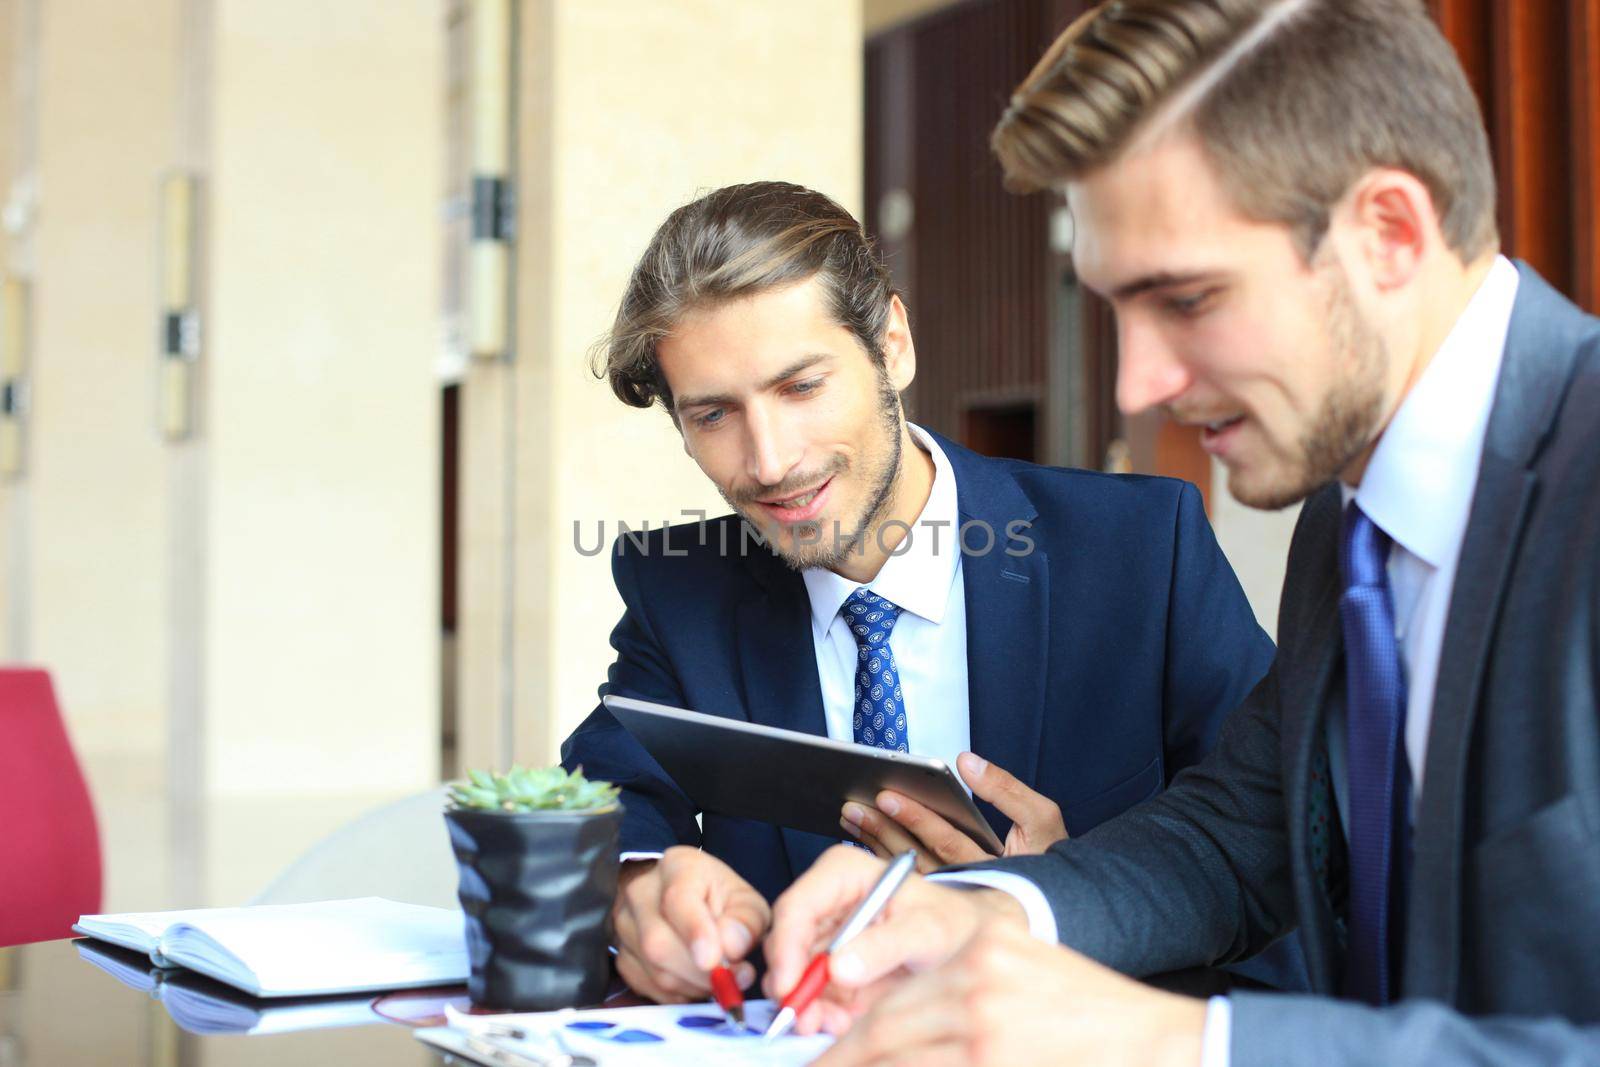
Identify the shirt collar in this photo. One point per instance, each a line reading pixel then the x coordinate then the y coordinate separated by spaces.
pixel 1419 483
pixel 918 578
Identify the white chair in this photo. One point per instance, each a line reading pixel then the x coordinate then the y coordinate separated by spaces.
pixel 400 851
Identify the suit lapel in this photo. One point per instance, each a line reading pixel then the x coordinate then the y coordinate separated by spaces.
pixel 1499 508
pixel 1007 601
pixel 1306 681
pixel 1008 634
pixel 1541 351
pixel 777 656
pixel 778 665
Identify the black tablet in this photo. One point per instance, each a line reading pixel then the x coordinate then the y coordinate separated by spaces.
pixel 749 771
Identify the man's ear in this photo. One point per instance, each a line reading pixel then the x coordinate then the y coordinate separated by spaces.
pixel 899 352
pixel 1394 225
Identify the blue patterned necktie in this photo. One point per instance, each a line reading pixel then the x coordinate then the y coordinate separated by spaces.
pixel 1379 779
pixel 879 718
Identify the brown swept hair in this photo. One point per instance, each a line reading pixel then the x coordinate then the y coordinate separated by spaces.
pixel 1293 101
pixel 738 241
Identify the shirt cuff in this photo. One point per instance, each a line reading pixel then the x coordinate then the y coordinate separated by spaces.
pixel 1041 920
pixel 1218 1031
pixel 626 856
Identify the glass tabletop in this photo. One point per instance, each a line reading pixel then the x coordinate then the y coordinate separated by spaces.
pixel 83 1004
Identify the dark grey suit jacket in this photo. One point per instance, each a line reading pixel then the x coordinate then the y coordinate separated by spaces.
pixel 1502 953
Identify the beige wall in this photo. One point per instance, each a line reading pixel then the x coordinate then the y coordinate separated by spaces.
pixel 628 111
pixel 655 151
pixel 321 674
pixel 1256 543
pixel 13 492
pixel 243 627
pixel 96 474
pixel 323 406
pixel 95 542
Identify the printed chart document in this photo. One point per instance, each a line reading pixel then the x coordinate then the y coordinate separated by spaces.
pixel 695 1035
pixel 299 950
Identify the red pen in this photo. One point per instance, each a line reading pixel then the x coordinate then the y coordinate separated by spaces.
pixel 728 997
pixel 815 978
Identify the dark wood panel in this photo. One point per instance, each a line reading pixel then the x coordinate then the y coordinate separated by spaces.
pixel 1584 35
pixel 1468 26
pixel 1531 141
pixel 974 261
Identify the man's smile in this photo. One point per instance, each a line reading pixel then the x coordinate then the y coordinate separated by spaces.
pixel 798 507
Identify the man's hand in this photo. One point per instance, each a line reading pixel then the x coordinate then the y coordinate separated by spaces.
pixel 1035 820
pixel 922 926
pixel 678 917
pixel 1008 998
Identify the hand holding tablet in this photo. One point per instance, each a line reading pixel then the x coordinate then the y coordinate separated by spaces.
pixel 746 770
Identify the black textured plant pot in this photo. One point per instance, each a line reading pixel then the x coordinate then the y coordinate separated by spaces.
pixel 537 889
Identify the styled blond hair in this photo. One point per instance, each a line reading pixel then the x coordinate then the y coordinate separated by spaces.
pixel 1292 101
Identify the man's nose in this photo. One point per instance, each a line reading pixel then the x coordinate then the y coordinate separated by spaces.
pixel 774 450
pixel 1149 373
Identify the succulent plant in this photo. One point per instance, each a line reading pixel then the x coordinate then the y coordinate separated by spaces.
pixel 523 790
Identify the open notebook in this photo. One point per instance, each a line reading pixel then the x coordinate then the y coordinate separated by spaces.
pixel 299 950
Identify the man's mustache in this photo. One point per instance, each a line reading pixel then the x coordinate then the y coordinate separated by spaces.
pixel 790 485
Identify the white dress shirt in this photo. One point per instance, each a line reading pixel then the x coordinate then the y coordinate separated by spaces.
pixel 1418 489
pixel 929 640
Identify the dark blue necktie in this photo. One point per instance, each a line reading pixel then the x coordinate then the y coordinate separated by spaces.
pixel 879 718
pixel 1379 780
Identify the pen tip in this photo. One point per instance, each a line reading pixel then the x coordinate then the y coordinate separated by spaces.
pixel 780 1025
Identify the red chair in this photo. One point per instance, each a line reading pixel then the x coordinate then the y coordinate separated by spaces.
pixel 49 844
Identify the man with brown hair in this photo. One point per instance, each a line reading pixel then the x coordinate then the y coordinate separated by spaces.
pixel 1289 204
pixel 1081 632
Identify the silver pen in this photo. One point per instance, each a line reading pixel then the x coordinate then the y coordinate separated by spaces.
pixel 815 977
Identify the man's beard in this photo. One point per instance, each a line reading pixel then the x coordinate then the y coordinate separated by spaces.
pixel 809 544
pixel 1347 419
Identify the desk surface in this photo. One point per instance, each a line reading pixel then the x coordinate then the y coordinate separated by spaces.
pixel 58 1008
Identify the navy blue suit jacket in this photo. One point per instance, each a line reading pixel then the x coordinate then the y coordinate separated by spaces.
pixel 1101 659
pixel 1099 663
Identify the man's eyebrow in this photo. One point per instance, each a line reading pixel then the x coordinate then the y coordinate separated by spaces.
pixel 1160 280
pixel 713 399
